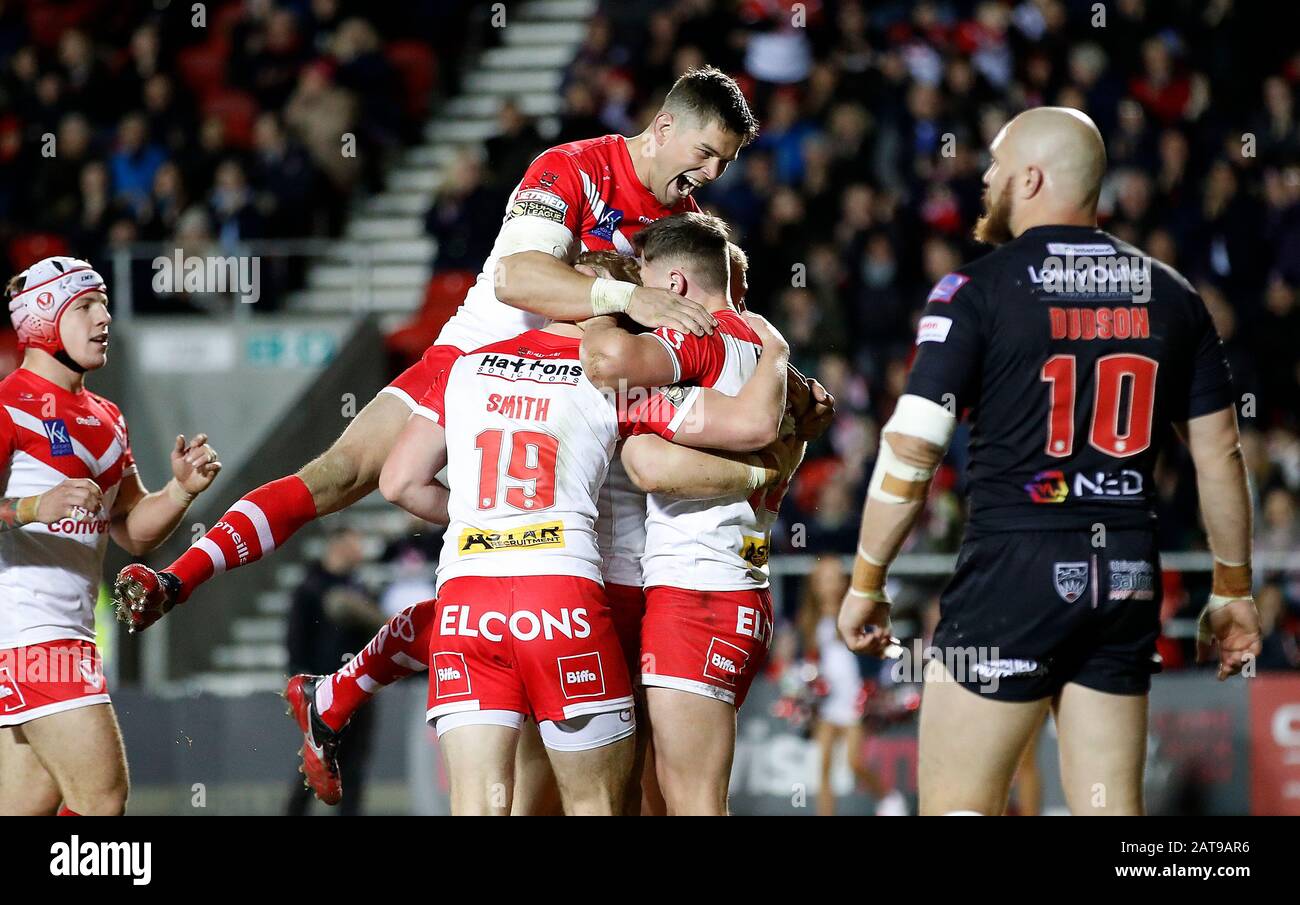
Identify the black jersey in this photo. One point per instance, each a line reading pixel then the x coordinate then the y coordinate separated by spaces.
pixel 1074 353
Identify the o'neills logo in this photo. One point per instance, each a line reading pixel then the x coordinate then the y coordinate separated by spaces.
pixel 103 859
pixel 527 537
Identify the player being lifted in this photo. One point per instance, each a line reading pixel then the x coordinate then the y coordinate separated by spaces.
pixel 70 483
pixel 1075 354
pixel 523 626
pixel 586 195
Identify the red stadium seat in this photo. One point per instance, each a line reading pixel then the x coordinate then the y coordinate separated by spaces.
pixel 419 70
pixel 204 69
pixel 443 295
pixel 25 251
pixel 237 111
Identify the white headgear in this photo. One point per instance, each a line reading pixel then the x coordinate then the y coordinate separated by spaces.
pixel 49 286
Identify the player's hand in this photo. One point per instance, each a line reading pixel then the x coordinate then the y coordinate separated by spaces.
pixel 864 624
pixel 76 498
pixel 816 420
pixel 195 464
pixel 1235 628
pixel 661 308
pixel 773 342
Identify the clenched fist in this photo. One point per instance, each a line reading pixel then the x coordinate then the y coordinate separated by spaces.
pixel 76 498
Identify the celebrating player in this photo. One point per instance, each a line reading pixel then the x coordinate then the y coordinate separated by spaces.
pixel 70 484
pixel 708 620
pixel 586 195
pixel 1075 352
pixel 322 705
pixel 527 442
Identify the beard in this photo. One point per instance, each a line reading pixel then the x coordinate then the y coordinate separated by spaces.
pixel 994 227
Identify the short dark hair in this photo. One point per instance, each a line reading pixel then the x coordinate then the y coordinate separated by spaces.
pixel 712 95
pixel 619 267
pixel 695 238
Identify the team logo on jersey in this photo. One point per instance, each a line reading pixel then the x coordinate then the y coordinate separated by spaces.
pixel 755 550
pixel 604 228
pixel 547 535
pixel 1071 580
pixel 450 675
pixel 11 696
pixel 724 661
pixel 548 179
pixel 57 431
pixel 1048 487
pixel 581 675
pixel 1132 579
pixel 946 288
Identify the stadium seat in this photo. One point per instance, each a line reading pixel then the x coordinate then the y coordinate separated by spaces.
pixel 203 67
pixel 443 295
pixel 27 250
pixel 419 70
pixel 237 111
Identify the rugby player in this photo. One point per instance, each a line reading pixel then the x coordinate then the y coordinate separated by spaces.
pixel 401 647
pixel 70 484
pixel 527 442
pixel 708 619
pixel 586 195
pixel 1075 354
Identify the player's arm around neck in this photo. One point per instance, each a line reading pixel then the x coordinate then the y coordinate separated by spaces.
pixel 656 465
pixel 751 419
pixel 616 359
pixel 541 283
pixel 142 521
pixel 409 477
pixel 912 444
pixel 1230 616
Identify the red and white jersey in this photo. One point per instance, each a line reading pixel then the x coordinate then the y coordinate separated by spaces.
pixel 620 527
pixel 589 189
pixel 49 574
pixel 529 443
pixel 720 544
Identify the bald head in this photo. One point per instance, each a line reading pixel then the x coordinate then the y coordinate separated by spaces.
pixel 1048 164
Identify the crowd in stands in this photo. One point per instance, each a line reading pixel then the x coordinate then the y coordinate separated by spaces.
pixel 204 125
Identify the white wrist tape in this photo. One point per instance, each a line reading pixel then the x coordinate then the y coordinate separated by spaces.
pixel 610 296
pixel 915 417
pixel 869 558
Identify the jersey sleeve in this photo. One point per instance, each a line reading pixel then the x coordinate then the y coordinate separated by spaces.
pixel 949 340
pixel 433 404
pixel 1210 387
pixel 551 190
pixel 696 359
pixel 662 412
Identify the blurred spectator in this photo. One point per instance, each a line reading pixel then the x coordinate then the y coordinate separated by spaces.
pixel 465 216
pixel 331 618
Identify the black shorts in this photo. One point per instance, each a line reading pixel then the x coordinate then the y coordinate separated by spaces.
pixel 1027 612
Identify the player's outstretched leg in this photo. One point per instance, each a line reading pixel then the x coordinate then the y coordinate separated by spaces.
pixel 323 705
pixel 267 517
pixel 320 743
pixel 1103 739
pixel 694 744
pixel 969 745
